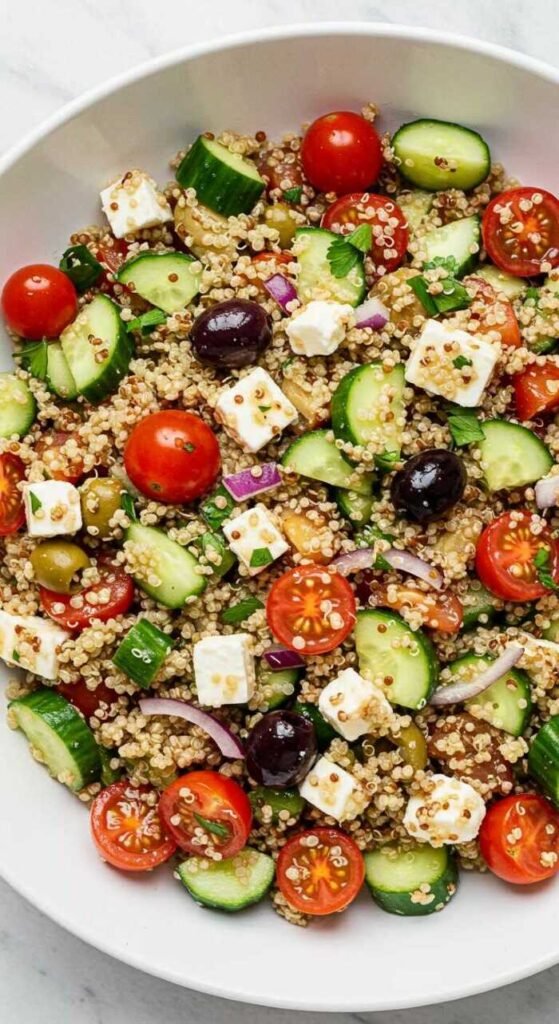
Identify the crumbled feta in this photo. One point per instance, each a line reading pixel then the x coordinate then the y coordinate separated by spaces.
pixel 451 813
pixel 437 363
pixel 31 643
pixel 133 202
pixel 52 507
pixel 320 328
pixel 255 539
pixel 333 791
pixel 353 705
pixel 255 411
pixel 224 670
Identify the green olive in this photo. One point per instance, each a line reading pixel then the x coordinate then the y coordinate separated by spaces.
pixel 100 498
pixel 280 217
pixel 57 565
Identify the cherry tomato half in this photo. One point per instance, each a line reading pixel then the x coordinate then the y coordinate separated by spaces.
pixel 311 609
pixel 121 595
pixel 505 556
pixel 390 230
pixel 536 389
pixel 204 811
pixel 441 611
pixel 85 700
pixel 50 448
pixel 112 253
pixel 341 153
pixel 520 231
pixel 519 839
pixel 494 312
pixel 320 871
pixel 172 456
pixel 127 829
pixel 39 301
pixel 12 512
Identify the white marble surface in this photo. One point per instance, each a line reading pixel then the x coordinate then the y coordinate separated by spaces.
pixel 50 51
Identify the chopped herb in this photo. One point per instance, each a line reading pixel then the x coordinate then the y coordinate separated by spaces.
pixel 420 288
pixel 81 267
pixel 217 508
pixel 261 556
pixel 361 238
pixel 241 611
pixel 386 461
pixel 147 322
pixel 542 563
pixel 465 426
pixel 36 503
pixel 34 358
pixel 344 252
pixel 381 563
pixel 127 503
pixel 453 296
pixel 461 361
pixel 213 827
pixel 293 195
pixel 532 293
pixel 15 655
pixel 448 262
pixel 264 408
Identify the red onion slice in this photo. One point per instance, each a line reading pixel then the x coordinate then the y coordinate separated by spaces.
pixel 282 290
pixel 356 561
pixel 227 742
pixel 460 691
pixel 280 658
pixel 248 482
pixel 372 313
pixel 547 491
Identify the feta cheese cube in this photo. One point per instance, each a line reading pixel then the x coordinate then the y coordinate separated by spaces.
pixel 451 813
pixel 255 539
pixel 432 364
pixel 133 202
pixel 320 328
pixel 333 791
pixel 255 411
pixel 224 670
pixel 52 507
pixel 354 706
pixel 31 643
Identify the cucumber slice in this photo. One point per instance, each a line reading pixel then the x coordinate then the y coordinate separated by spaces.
pixel 315 279
pixel 543 759
pixel 368 406
pixel 356 507
pixel 313 455
pixel 166 279
pixel 61 737
pixel 460 240
pixel 276 688
pixel 231 884
pixel 552 632
pixel 439 154
pixel 415 205
pixel 545 343
pixel 512 287
pixel 396 876
pixel 99 321
pixel 507 703
pixel 284 804
pixel 388 649
pixel 224 181
pixel 174 566
pixel 108 773
pixel 59 377
pixel 18 407
pixel 480 606
pixel 511 455
pixel 324 731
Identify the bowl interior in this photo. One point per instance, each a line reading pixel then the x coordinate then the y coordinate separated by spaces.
pixel 364 959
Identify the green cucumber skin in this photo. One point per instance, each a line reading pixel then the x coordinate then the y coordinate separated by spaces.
pixel 400 903
pixel 148 269
pixel 342 420
pixel 53 712
pixel 484 604
pixel 15 417
pixel 267 678
pixel 514 719
pixel 543 759
pixel 306 442
pixel 172 593
pixel 289 800
pixel 446 241
pixel 59 378
pixel 372 617
pixel 246 894
pixel 511 287
pixel 201 170
pixel 493 455
pixel 433 178
pixel 355 507
pixel 113 369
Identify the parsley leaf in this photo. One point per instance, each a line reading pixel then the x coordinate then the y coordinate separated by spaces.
pixel 15 655
pixel 532 293
pixel 217 508
pixel 386 460
pixel 36 503
pixel 361 238
pixel 461 361
pixel 542 563
pixel 241 611
pixel 343 252
pixel 448 262
pixel 381 563
pixel 147 322
pixel 464 426
pixel 293 195
pixel 261 556
pixel 127 503
pixel 213 827
pixel 264 408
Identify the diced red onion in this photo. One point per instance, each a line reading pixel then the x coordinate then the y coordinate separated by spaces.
pixel 355 561
pixel 248 482
pixel 282 290
pixel 462 690
pixel 227 742
pixel 372 313
pixel 280 658
pixel 547 491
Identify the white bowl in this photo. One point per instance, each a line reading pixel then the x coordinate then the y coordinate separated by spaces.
pixel 365 959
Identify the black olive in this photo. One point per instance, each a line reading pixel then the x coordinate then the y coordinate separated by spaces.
pixel 231 334
pixel 428 485
pixel 281 749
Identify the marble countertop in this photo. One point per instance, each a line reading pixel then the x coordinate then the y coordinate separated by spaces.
pixel 46 975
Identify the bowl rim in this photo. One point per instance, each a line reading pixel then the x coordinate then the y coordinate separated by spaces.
pixel 9 159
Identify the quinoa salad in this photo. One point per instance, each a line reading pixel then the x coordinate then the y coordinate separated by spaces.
pixel 279 495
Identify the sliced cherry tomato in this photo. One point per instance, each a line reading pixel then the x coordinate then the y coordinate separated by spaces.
pixel 112 255
pixel 505 556
pixel 519 839
pixel 172 456
pixel 442 611
pixel 390 230
pixel 206 811
pixel 262 258
pixel 520 231
pixel 50 449
pixel 320 871
pixel 39 301
pixel 85 700
pixel 127 828
pixel 311 609
pixel 113 579
pixel 494 312
pixel 341 153
pixel 12 512
pixel 281 172
pixel 536 389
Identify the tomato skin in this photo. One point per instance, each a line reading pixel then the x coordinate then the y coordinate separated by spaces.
pixel 517 252
pixel 294 614
pixel 441 611
pixel 322 899
pixel 12 511
pixel 501 545
pixel 85 700
pixel 76 619
pixel 219 800
pixel 364 208
pixel 127 832
pixel 172 456
pixel 519 862
pixel 536 389
pixel 48 450
pixel 39 301
pixel 492 303
pixel 113 256
pixel 341 153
